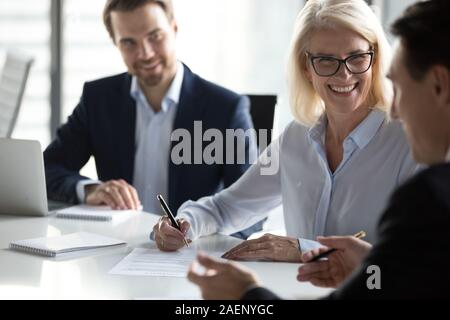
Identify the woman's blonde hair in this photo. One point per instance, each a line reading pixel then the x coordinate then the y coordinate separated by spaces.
pixel 356 15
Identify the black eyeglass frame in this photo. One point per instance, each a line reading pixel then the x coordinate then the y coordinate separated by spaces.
pixel 340 61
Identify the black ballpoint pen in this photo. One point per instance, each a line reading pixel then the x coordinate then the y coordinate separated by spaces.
pixel 169 213
pixel 358 235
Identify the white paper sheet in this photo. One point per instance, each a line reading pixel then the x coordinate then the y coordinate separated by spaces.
pixel 153 262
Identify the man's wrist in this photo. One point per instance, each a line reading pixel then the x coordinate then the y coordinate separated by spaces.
pixel 81 188
pixel 88 189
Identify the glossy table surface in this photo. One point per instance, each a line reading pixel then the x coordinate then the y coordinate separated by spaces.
pixel 84 275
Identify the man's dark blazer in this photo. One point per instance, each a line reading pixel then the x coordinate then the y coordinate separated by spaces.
pixel 103 125
pixel 413 248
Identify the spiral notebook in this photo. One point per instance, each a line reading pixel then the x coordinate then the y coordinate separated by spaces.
pixel 98 213
pixel 54 246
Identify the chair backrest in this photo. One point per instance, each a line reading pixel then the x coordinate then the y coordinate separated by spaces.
pixel 12 86
pixel 262 111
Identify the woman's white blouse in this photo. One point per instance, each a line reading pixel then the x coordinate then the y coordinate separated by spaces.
pixel 315 201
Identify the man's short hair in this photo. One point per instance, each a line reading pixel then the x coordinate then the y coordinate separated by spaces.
pixel 424 30
pixel 130 5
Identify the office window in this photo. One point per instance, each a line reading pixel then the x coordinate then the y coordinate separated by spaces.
pixel 88 52
pixel 242 45
pixel 391 10
pixel 25 27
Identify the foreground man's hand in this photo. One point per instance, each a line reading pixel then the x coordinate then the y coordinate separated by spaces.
pixel 221 280
pixel 338 265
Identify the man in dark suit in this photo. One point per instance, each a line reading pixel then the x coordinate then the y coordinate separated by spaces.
pixel 126 123
pixel 410 260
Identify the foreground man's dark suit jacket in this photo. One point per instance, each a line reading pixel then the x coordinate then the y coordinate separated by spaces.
pixel 413 248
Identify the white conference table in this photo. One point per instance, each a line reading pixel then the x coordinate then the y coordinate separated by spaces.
pixel 85 275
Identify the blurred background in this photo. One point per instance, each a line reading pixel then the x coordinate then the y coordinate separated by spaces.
pixel 239 44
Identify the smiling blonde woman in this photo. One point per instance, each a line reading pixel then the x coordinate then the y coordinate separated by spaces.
pixel 338 161
pixel 306 103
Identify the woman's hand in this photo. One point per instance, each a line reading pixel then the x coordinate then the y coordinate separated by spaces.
pixel 269 248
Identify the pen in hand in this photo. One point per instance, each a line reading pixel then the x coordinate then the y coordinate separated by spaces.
pixel 170 215
pixel 358 235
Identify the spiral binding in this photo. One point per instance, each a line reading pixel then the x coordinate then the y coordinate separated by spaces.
pixel 38 251
pixel 83 217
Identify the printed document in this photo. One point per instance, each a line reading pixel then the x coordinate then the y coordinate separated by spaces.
pixel 153 262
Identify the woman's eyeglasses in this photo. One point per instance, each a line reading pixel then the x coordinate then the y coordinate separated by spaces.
pixel 326 66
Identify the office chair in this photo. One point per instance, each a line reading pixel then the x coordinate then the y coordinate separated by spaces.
pixel 262 110
pixel 12 86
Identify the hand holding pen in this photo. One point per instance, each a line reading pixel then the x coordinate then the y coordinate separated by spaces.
pixel 346 255
pixel 170 236
pixel 324 254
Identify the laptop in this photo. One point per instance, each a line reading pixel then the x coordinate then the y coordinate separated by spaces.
pixel 22 179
